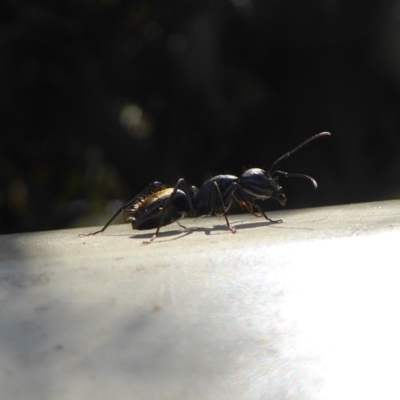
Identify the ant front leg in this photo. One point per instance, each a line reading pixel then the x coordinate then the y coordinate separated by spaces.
pixel 246 206
pixel 151 187
pixel 241 194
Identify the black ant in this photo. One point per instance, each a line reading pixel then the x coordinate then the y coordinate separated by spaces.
pixel 157 205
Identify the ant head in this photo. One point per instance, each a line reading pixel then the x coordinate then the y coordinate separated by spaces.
pixel 259 184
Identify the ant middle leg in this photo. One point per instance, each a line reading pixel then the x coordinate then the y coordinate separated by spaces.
pixel 216 189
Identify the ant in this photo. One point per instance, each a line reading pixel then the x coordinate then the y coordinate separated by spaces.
pixel 158 205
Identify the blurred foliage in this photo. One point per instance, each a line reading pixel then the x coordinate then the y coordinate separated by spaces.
pixel 100 97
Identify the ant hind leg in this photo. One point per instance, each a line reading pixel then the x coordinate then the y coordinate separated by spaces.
pixel 144 192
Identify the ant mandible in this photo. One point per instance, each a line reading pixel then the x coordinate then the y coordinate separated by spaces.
pixel 157 205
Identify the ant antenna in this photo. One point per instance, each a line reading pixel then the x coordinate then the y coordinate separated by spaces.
pixel 295 175
pixel 289 153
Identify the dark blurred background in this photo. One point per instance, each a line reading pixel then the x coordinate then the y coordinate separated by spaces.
pixel 98 98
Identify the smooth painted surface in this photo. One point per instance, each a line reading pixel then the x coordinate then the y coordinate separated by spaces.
pixel 307 309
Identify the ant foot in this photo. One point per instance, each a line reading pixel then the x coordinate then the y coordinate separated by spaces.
pixel 150 240
pixel 275 221
pixel 85 234
pixel 89 234
pixel 231 228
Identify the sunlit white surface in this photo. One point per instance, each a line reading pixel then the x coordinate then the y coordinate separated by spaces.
pixel 307 309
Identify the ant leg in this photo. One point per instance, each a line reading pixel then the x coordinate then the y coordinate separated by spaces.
pixel 149 188
pixel 182 226
pixel 241 194
pixel 212 201
pixel 189 196
pixel 246 206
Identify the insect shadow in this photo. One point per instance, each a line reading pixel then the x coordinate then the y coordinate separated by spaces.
pixel 214 230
